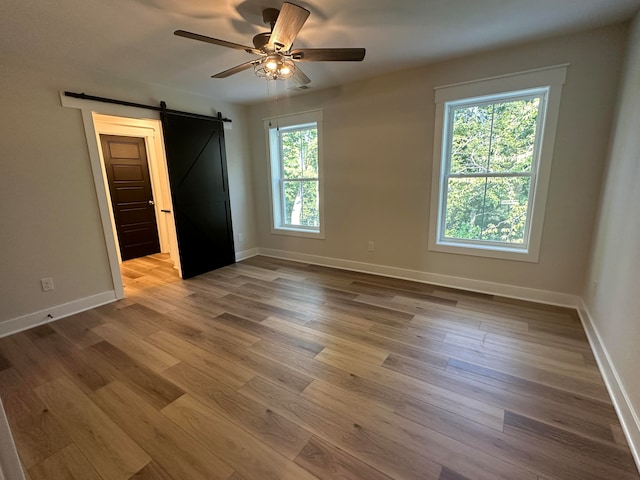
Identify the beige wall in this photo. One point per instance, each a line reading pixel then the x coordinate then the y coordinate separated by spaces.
pixel 48 206
pixel 612 287
pixel 378 142
pixel 377 152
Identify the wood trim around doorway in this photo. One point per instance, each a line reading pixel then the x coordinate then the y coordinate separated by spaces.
pixel 88 109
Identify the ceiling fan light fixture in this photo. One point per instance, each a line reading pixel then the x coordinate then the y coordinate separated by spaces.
pixel 275 67
pixel 271 64
pixel 285 70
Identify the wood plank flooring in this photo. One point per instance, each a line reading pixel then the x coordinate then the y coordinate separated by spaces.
pixel 270 369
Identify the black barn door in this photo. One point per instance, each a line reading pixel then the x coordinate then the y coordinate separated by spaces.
pixel 200 191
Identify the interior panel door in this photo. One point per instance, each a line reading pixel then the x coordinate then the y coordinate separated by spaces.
pixel 125 160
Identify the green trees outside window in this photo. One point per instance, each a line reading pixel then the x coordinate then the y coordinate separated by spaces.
pixel 299 176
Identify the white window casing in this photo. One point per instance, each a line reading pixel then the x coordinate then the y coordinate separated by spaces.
pixel 545 84
pixel 273 128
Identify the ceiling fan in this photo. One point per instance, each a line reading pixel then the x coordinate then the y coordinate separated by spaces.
pixel 277 61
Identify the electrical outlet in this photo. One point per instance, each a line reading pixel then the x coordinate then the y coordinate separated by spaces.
pixel 241 237
pixel 47 284
pixel 372 247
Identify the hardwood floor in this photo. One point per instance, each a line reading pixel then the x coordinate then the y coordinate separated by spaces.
pixel 270 369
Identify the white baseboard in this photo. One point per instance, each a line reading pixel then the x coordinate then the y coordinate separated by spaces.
pixel 480 286
pixel 10 467
pixel 18 324
pixel 244 254
pixel 629 418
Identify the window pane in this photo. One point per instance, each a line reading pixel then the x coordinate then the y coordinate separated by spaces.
pixel 471 139
pixel 301 203
pixel 505 210
pixel 498 137
pixel 299 153
pixel 513 136
pixel 489 209
pixel 464 208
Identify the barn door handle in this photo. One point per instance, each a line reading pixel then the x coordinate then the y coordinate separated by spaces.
pixel 151 202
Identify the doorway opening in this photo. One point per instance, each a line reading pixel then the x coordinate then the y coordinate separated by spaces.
pixel 111 119
pixel 198 165
pixel 136 184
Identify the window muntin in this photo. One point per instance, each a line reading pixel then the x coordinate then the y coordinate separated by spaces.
pixel 490 160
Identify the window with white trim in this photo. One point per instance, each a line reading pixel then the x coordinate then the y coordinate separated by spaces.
pixel 492 160
pixel 296 173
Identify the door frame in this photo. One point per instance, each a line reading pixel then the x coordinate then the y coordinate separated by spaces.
pixel 127 127
pixel 110 119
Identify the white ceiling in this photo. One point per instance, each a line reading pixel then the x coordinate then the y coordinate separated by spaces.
pixel 134 38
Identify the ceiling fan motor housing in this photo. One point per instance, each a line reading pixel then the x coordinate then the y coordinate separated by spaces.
pixel 261 39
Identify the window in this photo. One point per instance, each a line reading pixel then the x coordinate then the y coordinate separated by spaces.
pixel 489 167
pixel 296 174
pixel 494 143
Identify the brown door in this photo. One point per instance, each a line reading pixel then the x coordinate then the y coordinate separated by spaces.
pixel 125 160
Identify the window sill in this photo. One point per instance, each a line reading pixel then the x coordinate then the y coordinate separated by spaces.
pixel 502 253
pixel 295 232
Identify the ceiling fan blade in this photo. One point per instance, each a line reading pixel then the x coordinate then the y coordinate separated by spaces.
pixel 215 41
pixel 290 20
pixel 234 70
pixel 328 54
pixel 299 78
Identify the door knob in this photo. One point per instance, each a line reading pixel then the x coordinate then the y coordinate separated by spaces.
pixel 151 202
